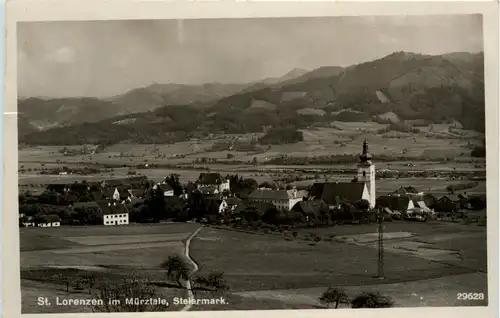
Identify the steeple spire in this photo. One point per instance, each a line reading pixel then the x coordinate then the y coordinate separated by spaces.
pixel 365 155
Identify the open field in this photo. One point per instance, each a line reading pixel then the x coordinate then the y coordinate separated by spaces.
pixel 265 271
pixel 107 252
pixel 343 138
pixel 423 293
pixel 281 269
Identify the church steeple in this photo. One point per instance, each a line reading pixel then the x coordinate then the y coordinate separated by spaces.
pixel 365 156
pixel 366 173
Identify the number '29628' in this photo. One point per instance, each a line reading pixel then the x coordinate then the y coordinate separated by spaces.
pixel 470 296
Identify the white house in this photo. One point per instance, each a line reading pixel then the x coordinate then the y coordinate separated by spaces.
pixel 167 190
pixel 48 221
pixel 115 214
pixel 116 195
pixel 223 207
pixel 281 199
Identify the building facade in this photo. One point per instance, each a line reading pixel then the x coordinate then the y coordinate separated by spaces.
pixel 115 214
pixel 281 199
pixel 209 180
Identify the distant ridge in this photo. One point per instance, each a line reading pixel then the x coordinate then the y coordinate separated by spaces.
pixel 409 86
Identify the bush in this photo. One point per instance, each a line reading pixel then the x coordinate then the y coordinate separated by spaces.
pixel 133 287
pixel 372 300
pixel 333 296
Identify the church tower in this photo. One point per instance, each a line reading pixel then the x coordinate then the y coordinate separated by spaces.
pixel 366 173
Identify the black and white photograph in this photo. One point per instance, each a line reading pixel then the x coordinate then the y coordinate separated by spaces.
pixel 253 163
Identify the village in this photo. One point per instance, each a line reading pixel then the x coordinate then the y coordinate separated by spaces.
pixel 241 202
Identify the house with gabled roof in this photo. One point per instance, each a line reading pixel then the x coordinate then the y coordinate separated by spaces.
pixel 405 191
pixel 136 193
pixel 232 203
pixel 311 208
pixel 115 214
pixel 79 187
pixel 51 220
pixel 401 203
pixel 448 203
pixel 336 193
pixel 60 188
pixel 253 210
pixel 213 180
pixel 284 199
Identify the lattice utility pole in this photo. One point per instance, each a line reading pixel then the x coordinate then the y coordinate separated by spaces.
pixel 380 244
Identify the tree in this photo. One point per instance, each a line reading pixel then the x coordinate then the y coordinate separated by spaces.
pixel 214 281
pixel 113 296
pixel 266 184
pixel 62 278
pixel 177 269
pixel 89 280
pixel 173 206
pixel 173 181
pixel 362 204
pixel 333 296
pixel 372 300
pixel 156 204
pixel 317 239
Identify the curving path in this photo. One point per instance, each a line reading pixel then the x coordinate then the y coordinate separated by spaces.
pixel 188 282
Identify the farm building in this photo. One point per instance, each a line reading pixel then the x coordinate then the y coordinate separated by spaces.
pixel 115 214
pixel 25 221
pixel 405 191
pixel 232 203
pixel 252 211
pixel 168 191
pixel 132 182
pixel 336 193
pixel 311 208
pixel 396 203
pixel 213 180
pixel 51 220
pixel 282 199
pixel 448 203
pixel 136 193
pixel 421 205
pixel 219 203
pixel 209 190
pixel 58 187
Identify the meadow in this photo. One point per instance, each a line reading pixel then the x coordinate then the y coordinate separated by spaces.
pixel 340 138
pixel 264 271
pixel 108 253
pixel 297 271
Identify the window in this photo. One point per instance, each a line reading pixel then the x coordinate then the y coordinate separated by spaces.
pixel 364 173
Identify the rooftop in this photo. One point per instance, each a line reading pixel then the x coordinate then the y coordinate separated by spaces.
pixel 210 178
pixel 334 193
pixel 261 194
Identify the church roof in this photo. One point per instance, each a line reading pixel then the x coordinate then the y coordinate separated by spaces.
pixel 334 193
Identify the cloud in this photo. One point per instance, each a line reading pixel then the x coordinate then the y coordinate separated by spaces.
pixel 64 55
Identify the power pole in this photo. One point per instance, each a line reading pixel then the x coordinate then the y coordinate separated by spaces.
pixel 380 244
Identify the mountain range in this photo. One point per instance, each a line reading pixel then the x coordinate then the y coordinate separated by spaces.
pixel 406 86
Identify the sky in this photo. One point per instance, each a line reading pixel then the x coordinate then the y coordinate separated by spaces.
pixel 107 58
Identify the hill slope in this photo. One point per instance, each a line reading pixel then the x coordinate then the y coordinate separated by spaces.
pixel 410 86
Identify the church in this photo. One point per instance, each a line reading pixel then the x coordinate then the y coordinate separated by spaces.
pixel 335 193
